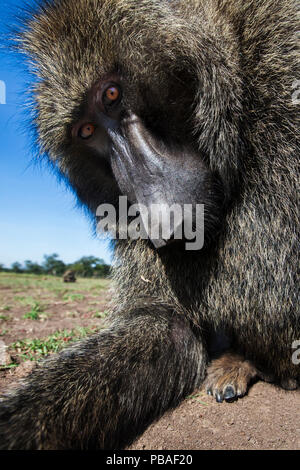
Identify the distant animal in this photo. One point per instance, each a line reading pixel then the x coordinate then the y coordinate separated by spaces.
pixel 69 276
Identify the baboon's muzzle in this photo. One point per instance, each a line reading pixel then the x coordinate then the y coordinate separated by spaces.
pixel 163 181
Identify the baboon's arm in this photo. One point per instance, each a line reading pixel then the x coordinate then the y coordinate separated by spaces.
pixel 103 392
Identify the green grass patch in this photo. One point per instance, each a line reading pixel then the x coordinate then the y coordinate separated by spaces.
pixel 22 282
pixel 25 300
pixel 6 308
pixel 35 312
pixel 197 397
pixel 101 314
pixel 36 349
pixel 74 297
pixel 13 365
pixel 4 317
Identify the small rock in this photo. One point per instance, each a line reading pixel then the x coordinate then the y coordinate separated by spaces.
pixel 24 368
pixel 5 358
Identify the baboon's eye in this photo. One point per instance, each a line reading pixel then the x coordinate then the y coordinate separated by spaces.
pixel 86 131
pixel 111 95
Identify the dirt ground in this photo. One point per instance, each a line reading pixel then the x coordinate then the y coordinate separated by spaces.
pixel 41 314
pixel 267 418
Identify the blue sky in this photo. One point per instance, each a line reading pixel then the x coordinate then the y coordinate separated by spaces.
pixel 38 215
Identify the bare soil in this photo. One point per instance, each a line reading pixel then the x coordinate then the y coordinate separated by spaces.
pixel 267 418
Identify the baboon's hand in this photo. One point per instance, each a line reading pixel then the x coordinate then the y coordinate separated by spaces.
pixel 228 377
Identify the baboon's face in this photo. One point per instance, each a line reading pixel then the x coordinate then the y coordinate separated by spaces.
pixel 115 107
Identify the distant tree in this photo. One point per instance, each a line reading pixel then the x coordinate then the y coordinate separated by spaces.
pixel 2 267
pixel 33 268
pixel 102 270
pixel 53 265
pixel 16 267
pixel 87 266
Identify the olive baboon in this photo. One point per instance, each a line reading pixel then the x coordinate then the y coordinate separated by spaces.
pixel 170 102
pixel 69 276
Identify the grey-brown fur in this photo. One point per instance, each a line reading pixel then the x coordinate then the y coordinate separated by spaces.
pixel 69 276
pixel 241 58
